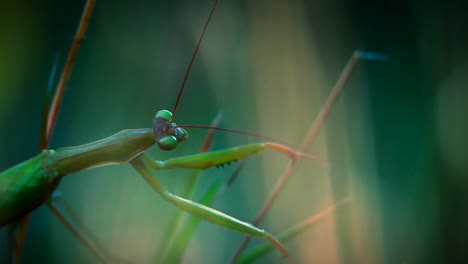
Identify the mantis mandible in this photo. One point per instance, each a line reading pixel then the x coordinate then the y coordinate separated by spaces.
pixel 30 184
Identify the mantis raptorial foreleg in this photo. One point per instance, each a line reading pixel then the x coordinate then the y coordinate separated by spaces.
pixel 208 160
pixel 204 212
pixel 225 156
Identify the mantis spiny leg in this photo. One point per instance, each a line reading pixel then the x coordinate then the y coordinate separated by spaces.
pixel 220 157
pixel 206 213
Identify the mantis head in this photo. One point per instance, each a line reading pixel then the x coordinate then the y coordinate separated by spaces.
pixel 166 133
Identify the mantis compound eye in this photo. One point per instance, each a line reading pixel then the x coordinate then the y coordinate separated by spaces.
pixel 164 114
pixel 168 143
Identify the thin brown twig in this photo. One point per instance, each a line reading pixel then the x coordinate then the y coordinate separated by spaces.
pixel 309 138
pixel 79 36
pixel 61 217
pixel 295 230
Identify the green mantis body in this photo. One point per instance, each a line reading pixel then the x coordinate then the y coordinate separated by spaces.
pixel 26 186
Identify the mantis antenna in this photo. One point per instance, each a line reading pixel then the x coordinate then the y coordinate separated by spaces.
pixel 182 86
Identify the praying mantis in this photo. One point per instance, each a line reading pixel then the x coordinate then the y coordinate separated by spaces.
pixel 145 133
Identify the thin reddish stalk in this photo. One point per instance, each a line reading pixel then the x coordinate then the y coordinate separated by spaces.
pixel 79 36
pixel 309 138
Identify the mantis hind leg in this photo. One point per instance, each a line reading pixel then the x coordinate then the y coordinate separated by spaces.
pixel 16 237
pixel 78 229
pixel 201 211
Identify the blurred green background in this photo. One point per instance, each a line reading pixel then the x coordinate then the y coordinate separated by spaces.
pixel 396 140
